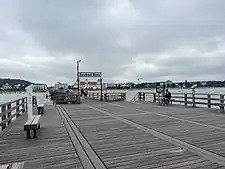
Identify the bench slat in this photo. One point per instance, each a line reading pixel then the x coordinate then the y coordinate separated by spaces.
pixel 36 120
pixel 29 122
pixel 33 123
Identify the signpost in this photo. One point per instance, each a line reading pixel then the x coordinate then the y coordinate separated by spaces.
pixel 92 74
pixel 29 91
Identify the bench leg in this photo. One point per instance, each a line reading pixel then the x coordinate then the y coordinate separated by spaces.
pixel 39 126
pixel 39 111
pixel 28 134
pixel 35 133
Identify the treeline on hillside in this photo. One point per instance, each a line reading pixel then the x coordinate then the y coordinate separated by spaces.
pixel 13 84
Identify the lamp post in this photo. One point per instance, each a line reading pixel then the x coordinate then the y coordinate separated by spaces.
pixel 101 89
pixel 139 79
pixel 78 79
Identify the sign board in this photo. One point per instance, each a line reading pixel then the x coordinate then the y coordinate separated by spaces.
pixel 90 74
pixel 29 91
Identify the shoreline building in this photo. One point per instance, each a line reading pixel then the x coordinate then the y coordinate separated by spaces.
pixel 60 85
pixel 40 87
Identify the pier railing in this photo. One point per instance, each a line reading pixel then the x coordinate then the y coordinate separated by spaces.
pixel 187 99
pixel 107 96
pixel 11 110
pixel 66 98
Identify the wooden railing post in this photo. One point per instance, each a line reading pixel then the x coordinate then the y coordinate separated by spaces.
pixel 93 96
pixel 139 96
pixel 222 103
pixel 125 96
pixel 18 108
pixel 23 105
pixel 105 97
pixel 185 99
pixel 193 100
pixel 154 97
pixel 209 100
pixel 4 116
pixel 9 113
pixel 143 96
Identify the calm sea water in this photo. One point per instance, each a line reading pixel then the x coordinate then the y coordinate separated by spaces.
pixel 129 93
pixel 14 96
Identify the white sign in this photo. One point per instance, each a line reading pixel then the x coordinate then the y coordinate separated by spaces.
pixel 90 74
pixel 29 91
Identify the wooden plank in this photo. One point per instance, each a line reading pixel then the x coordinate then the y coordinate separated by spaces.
pixel 95 162
pixel 207 154
pixel 120 143
pixel 52 149
pixel 28 122
pixel 36 120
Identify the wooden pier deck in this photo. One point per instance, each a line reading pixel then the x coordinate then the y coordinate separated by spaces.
pixel 52 148
pixel 119 135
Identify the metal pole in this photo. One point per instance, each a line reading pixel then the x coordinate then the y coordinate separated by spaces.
pixel 78 80
pixel 101 89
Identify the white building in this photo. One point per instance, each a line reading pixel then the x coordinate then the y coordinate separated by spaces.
pixel 61 86
pixel 6 86
pixel 39 87
pixel 110 84
pixel 17 86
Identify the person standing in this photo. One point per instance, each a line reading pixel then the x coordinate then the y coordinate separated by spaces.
pixel 168 96
pixel 85 94
pixel 81 92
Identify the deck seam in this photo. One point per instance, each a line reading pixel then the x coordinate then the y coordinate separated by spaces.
pixel 68 134
pixel 90 154
pixel 85 161
pixel 199 151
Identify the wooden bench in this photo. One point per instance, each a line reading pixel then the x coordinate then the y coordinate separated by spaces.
pixel 40 108
pixel 19 165
pixel 32 124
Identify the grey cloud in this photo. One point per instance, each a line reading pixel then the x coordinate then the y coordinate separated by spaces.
pixel 108 35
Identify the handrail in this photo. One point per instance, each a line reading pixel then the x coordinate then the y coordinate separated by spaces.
pixel 192 99
pixel 135 97
pixel 11 110
pixel 107 96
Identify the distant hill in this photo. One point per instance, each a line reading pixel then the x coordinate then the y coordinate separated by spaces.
pixel 13 82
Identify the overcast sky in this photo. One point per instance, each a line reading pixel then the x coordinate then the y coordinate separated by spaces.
pixel 41 40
